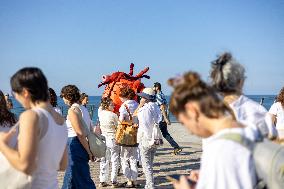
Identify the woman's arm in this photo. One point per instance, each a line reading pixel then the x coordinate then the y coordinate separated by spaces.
pixel 64 160
pixel 76 124
pixel 24 158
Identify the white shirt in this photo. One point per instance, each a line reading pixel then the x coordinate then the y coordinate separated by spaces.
pixel 108 123
pixel 123 114
pixel 249 111
pixel 50 151
pixel 226 164
pixel 277 110
pixel 148 115
pixel 85 116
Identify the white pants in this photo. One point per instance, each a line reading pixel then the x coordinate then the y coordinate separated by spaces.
pixel 147 157
pixel 129 162
pixel 112 153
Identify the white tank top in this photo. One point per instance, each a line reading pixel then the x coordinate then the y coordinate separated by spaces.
pixel 50 151
pixel 85 116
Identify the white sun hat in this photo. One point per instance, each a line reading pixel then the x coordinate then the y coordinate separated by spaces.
pixel 148 93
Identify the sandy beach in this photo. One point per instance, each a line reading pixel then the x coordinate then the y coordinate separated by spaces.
pixel 164 163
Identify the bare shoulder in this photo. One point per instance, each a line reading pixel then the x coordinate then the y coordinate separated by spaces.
pixel 29 115
pixel 28 118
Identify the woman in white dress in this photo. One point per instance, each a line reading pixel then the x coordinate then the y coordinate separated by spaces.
pixel 41 146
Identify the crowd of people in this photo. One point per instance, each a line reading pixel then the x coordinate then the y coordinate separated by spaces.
pixel 41 141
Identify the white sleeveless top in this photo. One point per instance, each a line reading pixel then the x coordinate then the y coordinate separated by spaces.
pixel 50 151
pixel 85 116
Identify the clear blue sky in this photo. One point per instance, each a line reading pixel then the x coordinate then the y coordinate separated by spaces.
pixel 76 42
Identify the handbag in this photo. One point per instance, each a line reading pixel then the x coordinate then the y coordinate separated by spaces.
pixel 126 133
pixel 96 143
pixel 11 178
pixel 157 137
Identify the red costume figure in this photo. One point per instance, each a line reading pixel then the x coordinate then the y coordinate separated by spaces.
pixel 118 80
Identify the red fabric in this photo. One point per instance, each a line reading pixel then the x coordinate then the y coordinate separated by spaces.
pixel 118 80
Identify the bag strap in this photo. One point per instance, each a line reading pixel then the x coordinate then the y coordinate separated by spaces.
pixel 238 138
pixel 128 111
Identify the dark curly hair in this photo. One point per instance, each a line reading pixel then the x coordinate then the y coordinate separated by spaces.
pixel 82 97
pixel 70 93
pixel 127 93
pixel 52 97
pixel 280 97
pixel 105 102
pixel 7 118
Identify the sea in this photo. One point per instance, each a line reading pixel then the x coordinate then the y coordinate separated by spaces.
pixel 94 102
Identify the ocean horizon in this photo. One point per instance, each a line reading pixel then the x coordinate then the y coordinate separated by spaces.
pixel 94 102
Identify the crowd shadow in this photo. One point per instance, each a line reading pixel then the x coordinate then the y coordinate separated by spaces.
pixel 184 152
pixel 187 167
pixel 176 162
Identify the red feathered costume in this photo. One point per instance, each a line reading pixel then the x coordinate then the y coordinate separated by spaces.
pixel 118 80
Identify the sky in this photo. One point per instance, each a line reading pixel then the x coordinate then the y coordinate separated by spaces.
pixel 76 42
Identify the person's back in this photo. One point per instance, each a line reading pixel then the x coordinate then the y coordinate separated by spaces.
pixel 132 106
pixel 50 150
pixel 245 108
pixel 248 111
pixel 108 122
pixel 148 115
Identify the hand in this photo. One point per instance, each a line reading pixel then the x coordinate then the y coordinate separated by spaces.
pixel 91 157
pixel 194 175
pixel 168 121
pixel 183 184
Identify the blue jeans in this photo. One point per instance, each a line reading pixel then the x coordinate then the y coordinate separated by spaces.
pixel 164 129
pixel 77 174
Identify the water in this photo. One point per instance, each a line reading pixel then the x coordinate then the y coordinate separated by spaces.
pixel 94 102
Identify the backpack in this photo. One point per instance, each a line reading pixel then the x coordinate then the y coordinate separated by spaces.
pixel 268 159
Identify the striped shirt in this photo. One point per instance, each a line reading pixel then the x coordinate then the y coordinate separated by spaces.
pixel 160 99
